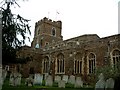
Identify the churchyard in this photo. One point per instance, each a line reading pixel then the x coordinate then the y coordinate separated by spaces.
pixel 23 86
pixel 37 81
pixel 15 81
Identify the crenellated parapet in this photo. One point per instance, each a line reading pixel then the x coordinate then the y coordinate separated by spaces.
pixel 49 21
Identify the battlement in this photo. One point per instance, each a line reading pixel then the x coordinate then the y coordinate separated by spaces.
pixel 49 21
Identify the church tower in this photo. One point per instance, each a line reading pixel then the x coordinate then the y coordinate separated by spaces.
pixel 46 32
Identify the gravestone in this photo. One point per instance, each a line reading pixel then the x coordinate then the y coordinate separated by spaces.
pixel 0 71
pixel 11 80
pixel 18 79
pixel 101 83
pixel 65 78
pixel 15 79
pixel 49 81
pixel 61 84
pixel 109 84
pixel 38 79
pixel 57 78
pixel 4 74
pixel 1 83
pixel 1 79
pixel 78 82
pixel 71 79
pixel 45 76
pixel 29 81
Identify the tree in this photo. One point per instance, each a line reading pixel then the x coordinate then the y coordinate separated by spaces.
pixel 12 26
pixel 109 71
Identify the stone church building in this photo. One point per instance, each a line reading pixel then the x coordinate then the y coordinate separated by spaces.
pixel 79 56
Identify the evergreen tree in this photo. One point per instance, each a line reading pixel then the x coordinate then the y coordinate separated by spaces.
pixel 12 26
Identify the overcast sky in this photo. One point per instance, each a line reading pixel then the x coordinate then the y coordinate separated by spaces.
pixel 78 16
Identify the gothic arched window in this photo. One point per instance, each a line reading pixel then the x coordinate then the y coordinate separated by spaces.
pixel 60 64
pixel 91 63
pixel 46 64
pixel 78 64
pixel 115 57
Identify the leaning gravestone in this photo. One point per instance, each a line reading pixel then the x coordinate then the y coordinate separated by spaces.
pixel 71 79
pixel 61 84
pixel 49 81
pixel 109 84
pixel 78 82
pixel 57 78
pixel 65 78
pixel 101 83
pixel 38 79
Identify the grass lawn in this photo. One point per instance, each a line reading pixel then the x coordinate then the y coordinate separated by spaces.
pixel 6 86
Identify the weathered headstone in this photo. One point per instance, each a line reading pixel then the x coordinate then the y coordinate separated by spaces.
pixel 109 84
pixel 101 83
pixel 15 79
pixel 57 78
pixel 49 81
pixel 11 80
pixel 61 84
pixel 78 82
pixel 0 71
pixel 4 74
pixel 1 83
pixel 45 76
pixel 65 78
pixel 71 79
pixel 18 79
pixel 38 79
pixel 1 79
pixel 29 81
